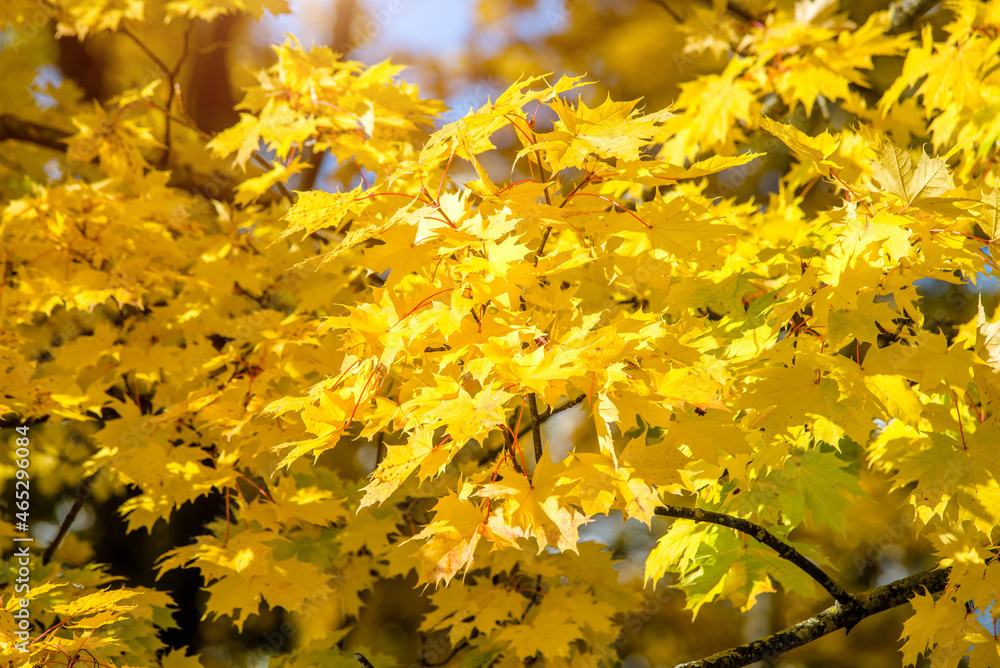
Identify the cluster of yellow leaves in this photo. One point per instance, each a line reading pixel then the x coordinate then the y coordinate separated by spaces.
pixel 339 107
pixel 805 53
pixel 949 627
pixel 957 82
pixel 93 618
pixel 144 328
pixel 492 303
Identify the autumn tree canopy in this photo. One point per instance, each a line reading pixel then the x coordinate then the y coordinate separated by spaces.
pixel 573 379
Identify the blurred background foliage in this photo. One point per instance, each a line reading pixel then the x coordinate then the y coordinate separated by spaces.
pixel 466 52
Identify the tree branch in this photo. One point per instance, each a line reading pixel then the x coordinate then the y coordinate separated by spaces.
pixel 82 492
pixel 541 246
pixel 380 448
pixel 833 618
pixel 552 411
pixel 668 10
pixel 559 409
pixel 12 127
pixel 903 13
pixel 268 166
pixel 733 7
pixel 536 428
pixel 784 550
pixel 360 658
pixel 170 74
pixel 341 43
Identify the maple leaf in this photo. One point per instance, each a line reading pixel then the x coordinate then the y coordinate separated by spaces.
pixel 817 150
pixel 785 394
pixel 826 488
pixel 639 171
pixel 610 130
pixel 739 569
pixel 449 542
pixel 894 170
pixel 941 626
pixel 861 323
pixel 535 506
pixel 244 572
pixel 551 630
pixel 98 602
pixel 483 606
pixel 991 211
pixel 600 487
pixel 659 463
pixel 564 615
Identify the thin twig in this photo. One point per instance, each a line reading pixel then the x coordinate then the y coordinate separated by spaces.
pixel 553 411
pixel 169 74
pixel 174 90
pixel 668 9
pixel 82 493
pixel 541 246
pixel 832 619
pixel 784 550
pixel 536 428
pixel 559 409
pixel 12 127
pixel 266 164
pixel 903 14
pixel 534 596
pixel 145 49
pixel 380 448
pixel 360 658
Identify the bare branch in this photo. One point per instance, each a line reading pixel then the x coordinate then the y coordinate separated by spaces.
pixel 12 127
pixel 733 7
pixel 560 409
pixel 833 618
pixel 541 246
pixel 82 493
pixel 267 166
pixel 668 9
pixel 536 427
pixel 543 417
pixel 905 12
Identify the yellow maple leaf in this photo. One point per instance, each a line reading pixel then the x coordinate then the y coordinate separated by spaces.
pixel 449 542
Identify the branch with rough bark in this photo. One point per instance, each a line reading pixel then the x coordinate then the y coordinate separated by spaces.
pixel 536 427
pixel 360 658
pixel 545 415
pixel 12 127
pixel 832 619
pixel 903 13
pixel 82 494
